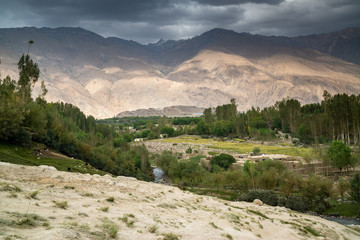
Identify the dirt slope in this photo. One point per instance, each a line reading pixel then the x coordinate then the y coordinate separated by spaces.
pixel 140 210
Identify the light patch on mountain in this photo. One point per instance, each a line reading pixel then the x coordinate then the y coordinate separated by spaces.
pixel 106 76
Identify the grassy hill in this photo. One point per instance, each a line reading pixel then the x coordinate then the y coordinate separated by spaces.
pixel 38 154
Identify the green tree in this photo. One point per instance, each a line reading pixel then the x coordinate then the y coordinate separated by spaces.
pixel 289 110
pixel 343 186
pixel 208 116
pixel 165 160
pixel 256 151
pixel 28 75
pixel 316 189
pixel 305 135
pixel 355 189
pixel 339 154
pixel 167 130
pixel 289 181
pixel 269 179
pixel 11 110
pixel 249 168
pixel 223 160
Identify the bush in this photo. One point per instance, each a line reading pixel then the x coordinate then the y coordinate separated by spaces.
pixel 296 203
pixel 165 160
pixel 256 151
pixel 267 197
pixel 320 206
pixel 110 228
pixel 189 150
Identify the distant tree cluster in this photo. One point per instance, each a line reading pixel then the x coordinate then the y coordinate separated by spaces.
pixel 335 118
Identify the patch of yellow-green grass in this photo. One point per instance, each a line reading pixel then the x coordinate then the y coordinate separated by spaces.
pixel 268 149
pixel 241 147
pixel 189 139
pixel 239 140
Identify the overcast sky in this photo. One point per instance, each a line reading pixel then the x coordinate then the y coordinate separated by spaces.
pixel 149 20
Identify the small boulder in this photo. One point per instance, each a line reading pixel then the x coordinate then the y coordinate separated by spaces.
pixel 258 202
pixel 48 167
pixel 111 182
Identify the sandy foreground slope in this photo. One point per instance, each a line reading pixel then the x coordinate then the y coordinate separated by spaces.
pixel 140 210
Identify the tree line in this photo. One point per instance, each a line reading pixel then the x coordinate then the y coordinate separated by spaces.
pixel 335 118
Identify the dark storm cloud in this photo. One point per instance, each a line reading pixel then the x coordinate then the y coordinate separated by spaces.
pixel 235 2
pixel 74 10
pixel 148 20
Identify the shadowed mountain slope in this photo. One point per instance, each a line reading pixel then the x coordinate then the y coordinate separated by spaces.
pixel 105 76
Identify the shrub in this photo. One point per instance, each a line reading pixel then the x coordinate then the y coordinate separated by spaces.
pixel 355 189
pixel 189 150
pixel 104 209
pixel 62 205
pixel 256 151
pixel 33 194
pixel 153 228
pixel 110 228
pixel 125 219
pixel 296 203
pixel 170 236
pixel 267 197
pixel 165 160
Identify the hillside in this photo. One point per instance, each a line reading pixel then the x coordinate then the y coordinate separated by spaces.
pixel 107 76
pixel 173 111
pixel 43 203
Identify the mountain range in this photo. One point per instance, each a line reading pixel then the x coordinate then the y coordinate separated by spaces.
pixel 107 76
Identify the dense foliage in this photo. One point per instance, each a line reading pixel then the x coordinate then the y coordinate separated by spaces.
pixel 64 127
pixel 339 154
pixel 355 190
pixel 269 180
pixel 335 118
pixel 223 161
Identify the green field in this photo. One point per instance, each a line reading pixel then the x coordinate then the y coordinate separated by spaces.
pixel 347 209
pixel 242 147
pixel 24 156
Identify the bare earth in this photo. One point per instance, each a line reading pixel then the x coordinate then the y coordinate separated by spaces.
pixel 140 210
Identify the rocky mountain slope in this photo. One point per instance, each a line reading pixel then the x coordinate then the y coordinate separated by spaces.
pixel 106 76
pixel 173 111
pixel 43 203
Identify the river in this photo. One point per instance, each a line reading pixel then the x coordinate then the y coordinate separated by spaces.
pixel 158 174
pixel 343 221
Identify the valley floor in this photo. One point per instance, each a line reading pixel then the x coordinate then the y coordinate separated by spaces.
pixel 43 203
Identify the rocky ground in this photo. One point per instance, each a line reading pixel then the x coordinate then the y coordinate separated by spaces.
pixel 43 203
pixel 157 146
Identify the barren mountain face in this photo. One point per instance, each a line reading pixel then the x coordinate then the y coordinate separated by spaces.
pixel 106 76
